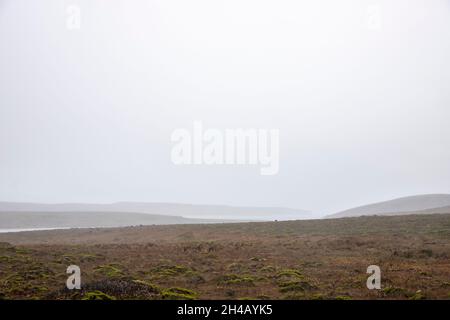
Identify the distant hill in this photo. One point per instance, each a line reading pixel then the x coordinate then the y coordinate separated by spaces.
pixel 29 219
pixel 420 204
pixel 441 210
pixel 166 209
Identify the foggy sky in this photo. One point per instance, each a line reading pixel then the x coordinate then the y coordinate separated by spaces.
pixel 363 113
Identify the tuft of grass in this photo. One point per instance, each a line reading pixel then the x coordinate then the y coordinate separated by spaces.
pixel 343 297
pixel 256 259
pixel 292 280
pixel 109 270
pixel 179 294
pixel 296 285
pixel 235 279
pixel 22 251
pixel 318 296
pixel 393 290
pixel 235 267
pixel 289 273
pixel 268 269
pixel 97 295
pixel 418 295
pixel 165 271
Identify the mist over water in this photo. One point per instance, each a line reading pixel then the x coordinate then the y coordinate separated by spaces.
pixel 357 89
pixel 28 229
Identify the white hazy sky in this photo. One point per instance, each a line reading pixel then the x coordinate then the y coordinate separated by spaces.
pixel 363 112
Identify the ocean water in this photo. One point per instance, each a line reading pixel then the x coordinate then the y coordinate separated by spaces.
pixel 29 229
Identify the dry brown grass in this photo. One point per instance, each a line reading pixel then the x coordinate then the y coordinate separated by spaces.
pixel 320 259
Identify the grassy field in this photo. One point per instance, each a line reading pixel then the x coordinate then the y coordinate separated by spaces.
pixel 315 259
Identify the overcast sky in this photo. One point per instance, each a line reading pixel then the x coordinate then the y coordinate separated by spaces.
pixel 359 90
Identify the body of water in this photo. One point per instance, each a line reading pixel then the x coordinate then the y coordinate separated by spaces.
pixel 28 229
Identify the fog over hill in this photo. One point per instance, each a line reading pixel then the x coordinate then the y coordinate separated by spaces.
pixel 419 204
pixel 360 100
pixel 439 210
pixel 18 215
pixel 166 209
pixel 37 220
